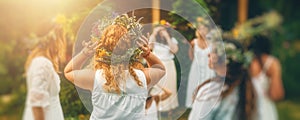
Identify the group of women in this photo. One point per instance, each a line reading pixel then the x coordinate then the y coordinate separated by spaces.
pixel 123 87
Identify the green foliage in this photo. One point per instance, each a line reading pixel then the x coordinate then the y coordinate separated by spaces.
pixel 15 106
pixel 284 42
pixel 289 110
pixel 189 9
pixel 70 101
pixel 13 51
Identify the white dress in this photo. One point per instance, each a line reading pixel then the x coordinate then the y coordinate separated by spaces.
pixel 265 106
pixel 169 81
pixel 151 112
pixel 209 106
pixel 43 84
pixel 199 71
pixel 129 105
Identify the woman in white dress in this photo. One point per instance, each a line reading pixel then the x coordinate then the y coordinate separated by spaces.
pixel 233 101
pixel 266 76
pixel 118 82
pixel 199 71
pixel 43 82
pixel 165 46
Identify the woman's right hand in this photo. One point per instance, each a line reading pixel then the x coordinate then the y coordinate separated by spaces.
pixel 143 44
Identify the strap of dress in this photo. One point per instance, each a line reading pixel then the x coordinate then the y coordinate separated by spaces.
pixel 196 43
pixel 267 63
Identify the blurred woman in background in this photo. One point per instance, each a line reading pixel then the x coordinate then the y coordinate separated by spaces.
pixel 165 46
pixel 199 51
pixel 265 71
pixel 237 100
pixel 43 82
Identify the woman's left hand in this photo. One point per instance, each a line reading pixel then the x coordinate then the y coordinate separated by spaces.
pixel 165 34
pixel 143 44
pixel 89 48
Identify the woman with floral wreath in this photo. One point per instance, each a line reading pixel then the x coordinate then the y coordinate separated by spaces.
pixel 119 83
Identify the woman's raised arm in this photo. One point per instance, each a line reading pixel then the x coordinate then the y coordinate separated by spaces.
pixel 82 78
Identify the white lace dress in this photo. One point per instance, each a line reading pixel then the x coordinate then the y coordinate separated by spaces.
pixel 129 105
pixel 265 106
pixel 43 86
pixel 199 71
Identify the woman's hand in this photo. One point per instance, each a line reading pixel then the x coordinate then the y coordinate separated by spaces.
pixel 213 60
pixel 165 34
pixel 143 44
pixel 157 29
pixel 89 48
pixel 156 70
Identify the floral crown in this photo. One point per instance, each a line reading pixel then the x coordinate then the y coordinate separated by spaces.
pixel 134 29
pixel 234 54
pixel 165 24
pixel 107 57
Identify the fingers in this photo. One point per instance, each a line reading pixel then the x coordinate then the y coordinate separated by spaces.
pixel 148 35
pixel 141 46
pixel 86 43
pixel 143 40
pixel 94 45
pixel 146 40
pixel 89 44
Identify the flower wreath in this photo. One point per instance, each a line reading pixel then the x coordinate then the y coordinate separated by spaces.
pixel 236 55
pixel 134 32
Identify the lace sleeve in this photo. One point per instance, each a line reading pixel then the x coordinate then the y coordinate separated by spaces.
pixel 39 83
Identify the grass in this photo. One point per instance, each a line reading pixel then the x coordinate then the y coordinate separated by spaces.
pixel 289 110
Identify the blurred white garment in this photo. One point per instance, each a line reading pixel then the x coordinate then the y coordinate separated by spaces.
pixel 162 51
pixel 199 71
pixel 265 106
pixel 209 105
pixel 43 86
pixel 169 81
pixel 129 105
pixel 151 112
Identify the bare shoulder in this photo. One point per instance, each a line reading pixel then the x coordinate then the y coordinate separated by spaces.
pixel 275 61
pixel 255 67
pixel 275 65
pixel 193 42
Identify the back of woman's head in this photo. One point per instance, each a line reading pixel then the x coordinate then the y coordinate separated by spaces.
pixel 260 45
pixel 114 39
pixel 237 77
pixel 51 44
pixel 235 68
pixel 116 42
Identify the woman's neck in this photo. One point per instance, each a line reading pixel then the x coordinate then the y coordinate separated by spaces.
pixel 201 43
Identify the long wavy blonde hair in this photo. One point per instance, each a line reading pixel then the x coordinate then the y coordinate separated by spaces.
pixel 113 40
pixel 52 46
